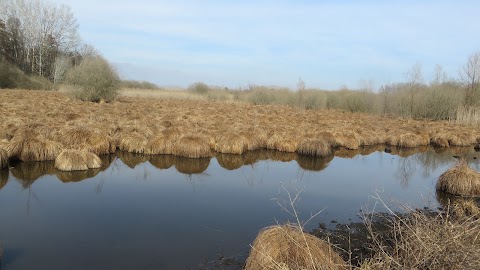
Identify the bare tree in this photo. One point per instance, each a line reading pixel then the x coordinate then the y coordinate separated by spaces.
pixel 62 64
pixel 46 31
pixel 414 81
pixel 301 93
pixel 439 76
pixel 470 74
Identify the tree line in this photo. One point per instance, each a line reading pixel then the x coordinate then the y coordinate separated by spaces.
pixel 40 38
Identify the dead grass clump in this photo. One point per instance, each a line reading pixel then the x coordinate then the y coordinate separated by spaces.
pixel 439 141
pixel 133 143
pixel 3 158
pixel 349 140
pixel 77 160
pixel 231 143
pixel 426 240
pixel 315 147
pixel 282 142
pixel 83 138
pixel 410 140
pixel 192 146
pixel 460 180
pixel 162 143
pixel 191 166
pixel 288 247
pixel 27 146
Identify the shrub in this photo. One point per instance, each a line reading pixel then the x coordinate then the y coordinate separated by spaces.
pixel 199 88
pixel 94 80
pixel 12 77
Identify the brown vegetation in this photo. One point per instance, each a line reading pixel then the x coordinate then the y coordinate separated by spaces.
pixel 460 180
pixel 155 126
pixel 425 240
pixel 288 247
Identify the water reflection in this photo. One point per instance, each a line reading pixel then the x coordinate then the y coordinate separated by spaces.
pixel 421 159
pixel 3 177
pixel 143 224
pixel 191 165
pixel 162 162
pixel 27 172
pixel 131 159
pixel 315 164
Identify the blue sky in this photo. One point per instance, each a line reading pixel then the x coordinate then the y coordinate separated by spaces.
pixel 237 43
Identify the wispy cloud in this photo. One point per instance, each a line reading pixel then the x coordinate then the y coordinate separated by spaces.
pixel 328 43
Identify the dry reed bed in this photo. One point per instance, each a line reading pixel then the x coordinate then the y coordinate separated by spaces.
pixel 38 125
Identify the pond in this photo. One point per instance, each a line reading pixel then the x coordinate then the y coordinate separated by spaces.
pixel 165 212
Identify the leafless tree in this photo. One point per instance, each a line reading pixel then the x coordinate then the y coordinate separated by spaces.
pixel 470 74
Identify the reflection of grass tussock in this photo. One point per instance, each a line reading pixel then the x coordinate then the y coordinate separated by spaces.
pixel 460 180
pixel 3 158
pixel 76 176
pixel 28 172
pixel 162 162
pixel 279 156
pixel 315 164
pixel 230 161
pixel 191 165
pixel 131 159
pixel 457 206
pixel 77 160
pixel 288 247
pixel 3 177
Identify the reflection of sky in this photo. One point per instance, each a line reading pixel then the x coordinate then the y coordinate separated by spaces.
pixel 233 43
pixel 132 218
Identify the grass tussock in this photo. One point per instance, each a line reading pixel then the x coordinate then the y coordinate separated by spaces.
pixel 460 180
pixel 27 146
pixel 315 147
pixel 288 247
pixel 192 146
pixel 77 160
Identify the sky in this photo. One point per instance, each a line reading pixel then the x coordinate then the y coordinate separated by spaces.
pixel 328 44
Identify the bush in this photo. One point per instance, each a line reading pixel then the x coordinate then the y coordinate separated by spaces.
pixel 12 77
pixel 94 80
pixel 199 88
pixel 138 84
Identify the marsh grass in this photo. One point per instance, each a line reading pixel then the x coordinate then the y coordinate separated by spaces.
pixel 154 125
pixel 424 240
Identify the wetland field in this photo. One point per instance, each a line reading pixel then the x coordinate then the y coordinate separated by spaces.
pixel 188 184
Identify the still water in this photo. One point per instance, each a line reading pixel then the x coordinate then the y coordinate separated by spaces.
pixel 163 212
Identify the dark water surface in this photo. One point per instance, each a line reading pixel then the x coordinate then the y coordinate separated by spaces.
pixel 162 212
